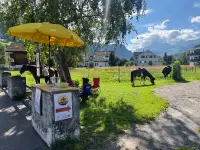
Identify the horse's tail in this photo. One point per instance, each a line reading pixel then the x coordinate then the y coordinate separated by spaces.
pixel 164 70
pixel 132 76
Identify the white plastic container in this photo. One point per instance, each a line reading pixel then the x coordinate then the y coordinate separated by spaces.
pixel 54 80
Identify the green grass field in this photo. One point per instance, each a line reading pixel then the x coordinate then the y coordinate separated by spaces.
pixel 119 105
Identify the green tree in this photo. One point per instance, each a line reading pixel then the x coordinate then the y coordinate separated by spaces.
pixel 122 62
pixel 2 53
pixel 132 58
pixel 96 20
pixel 170 59
pixel 112 61
pixel 185 59
pixel 176 71
pixel 165 58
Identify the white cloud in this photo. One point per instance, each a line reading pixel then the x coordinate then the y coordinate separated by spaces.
pixel 142 12
pixel 197 4
pixel 195 19
pixel 158 34
pixel 162 25
pixel 145 12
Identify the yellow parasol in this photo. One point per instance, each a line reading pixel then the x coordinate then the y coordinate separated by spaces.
pixel 46 33
pixel 42 32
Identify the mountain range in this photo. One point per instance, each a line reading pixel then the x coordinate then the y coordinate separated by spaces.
pixel 159 49
pixel 162 48
pixel 122 52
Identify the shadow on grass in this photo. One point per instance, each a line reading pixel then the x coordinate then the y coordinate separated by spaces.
pixel 144 85
pixel 182 81
pixel 100 124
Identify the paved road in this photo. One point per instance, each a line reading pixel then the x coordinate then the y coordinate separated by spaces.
pixel 16 131
pixel 175 127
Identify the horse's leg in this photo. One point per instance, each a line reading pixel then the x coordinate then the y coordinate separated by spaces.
pixel 133 84
pixel 165 76
pixel 37 80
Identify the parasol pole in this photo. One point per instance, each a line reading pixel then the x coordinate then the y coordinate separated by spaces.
pixel 38 61
pixel 49 51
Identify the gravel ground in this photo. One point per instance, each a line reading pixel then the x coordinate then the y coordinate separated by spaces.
pixel 175 127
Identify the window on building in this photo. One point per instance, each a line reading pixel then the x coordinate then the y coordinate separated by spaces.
pixel 140 61
pixel 144 61
pixel 154 56
pixel 150 56
pixel 142 56
pixel 146 56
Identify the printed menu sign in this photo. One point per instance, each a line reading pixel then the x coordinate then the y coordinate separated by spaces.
pixel 37 100
pixel 63 106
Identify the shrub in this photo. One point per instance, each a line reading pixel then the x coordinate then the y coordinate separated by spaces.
pixel 176 71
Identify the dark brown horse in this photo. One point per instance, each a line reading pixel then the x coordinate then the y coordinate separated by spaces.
pixel 33 70
pixel 143 73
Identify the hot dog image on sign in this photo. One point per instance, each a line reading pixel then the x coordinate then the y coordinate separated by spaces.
pixel 63 106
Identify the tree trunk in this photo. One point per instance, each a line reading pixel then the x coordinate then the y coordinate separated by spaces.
pixel 63 68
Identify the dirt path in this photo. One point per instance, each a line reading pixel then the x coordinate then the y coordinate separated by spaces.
pixel 176 127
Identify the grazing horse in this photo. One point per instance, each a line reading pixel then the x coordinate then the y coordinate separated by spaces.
pixel 33 70
pixel 143 73
pixel 166 71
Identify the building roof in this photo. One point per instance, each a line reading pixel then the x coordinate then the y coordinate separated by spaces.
pixel 102 53
pixel 194 51
pixel 15 47
pixel 137 53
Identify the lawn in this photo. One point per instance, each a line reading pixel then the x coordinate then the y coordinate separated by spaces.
pixel 119 105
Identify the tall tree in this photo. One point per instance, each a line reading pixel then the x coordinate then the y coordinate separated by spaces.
pixel 112 61
pixel 93 20
pixel 165 58
pixel 2 53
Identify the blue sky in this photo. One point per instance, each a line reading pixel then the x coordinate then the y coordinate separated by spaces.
pixel 166 21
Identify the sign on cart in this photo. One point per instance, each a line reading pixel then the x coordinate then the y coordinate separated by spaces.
pixel 63 106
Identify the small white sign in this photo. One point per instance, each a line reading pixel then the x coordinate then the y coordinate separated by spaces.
pixel 38 63
pixel 63 106
pixel 37 100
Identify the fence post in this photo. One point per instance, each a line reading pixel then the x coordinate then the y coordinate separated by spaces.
pixel 119 74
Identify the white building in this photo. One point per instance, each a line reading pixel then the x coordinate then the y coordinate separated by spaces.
pixel 194 56
pixel 98 59
pixel 146 58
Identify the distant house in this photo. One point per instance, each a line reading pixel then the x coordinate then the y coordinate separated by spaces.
pixel 17 52
pixel 146 58
pixel 97 59
pixel 194 56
